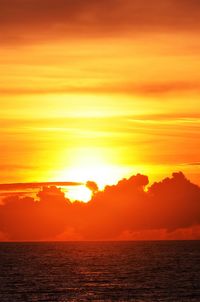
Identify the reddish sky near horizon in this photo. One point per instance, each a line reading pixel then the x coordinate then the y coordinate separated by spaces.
pixel 99 90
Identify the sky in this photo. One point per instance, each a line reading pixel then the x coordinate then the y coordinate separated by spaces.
pixel 99 90
pixel 108 85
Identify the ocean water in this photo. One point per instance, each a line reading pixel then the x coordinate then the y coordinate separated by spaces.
pixel 100 271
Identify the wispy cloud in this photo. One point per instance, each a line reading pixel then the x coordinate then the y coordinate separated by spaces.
pixel 35 185
pixel 193 164
pixel 144 89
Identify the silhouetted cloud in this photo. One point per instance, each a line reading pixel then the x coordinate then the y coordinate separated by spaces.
pixel 24 21
pixel 169 209
pixel 21 186
pixel 91 185
pixel 29 219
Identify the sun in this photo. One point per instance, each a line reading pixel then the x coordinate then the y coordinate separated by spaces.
pixel 89 164
pixel 78 193
pixel 102 175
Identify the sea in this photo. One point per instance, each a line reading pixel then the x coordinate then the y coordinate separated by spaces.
pixel 141 271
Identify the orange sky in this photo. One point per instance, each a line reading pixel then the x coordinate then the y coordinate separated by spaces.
pixel 99 90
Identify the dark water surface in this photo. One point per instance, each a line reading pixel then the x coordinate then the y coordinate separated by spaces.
pixel 103 271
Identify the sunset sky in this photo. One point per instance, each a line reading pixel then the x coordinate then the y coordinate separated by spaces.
pixel 99 90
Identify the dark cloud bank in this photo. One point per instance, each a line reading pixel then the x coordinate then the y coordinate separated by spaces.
pixel 26 20
pixel 169 209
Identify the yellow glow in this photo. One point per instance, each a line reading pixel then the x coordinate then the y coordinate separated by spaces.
pixel 80 193
pixel 91 164
pixel 114 103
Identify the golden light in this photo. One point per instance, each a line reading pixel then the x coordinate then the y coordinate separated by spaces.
pixel 87 164
pixel 80 193
pixel 90 164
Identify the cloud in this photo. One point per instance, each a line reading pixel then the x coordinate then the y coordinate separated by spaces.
pixel 144 89
pixel 167 209
pixel 24 21
pixel 171 204
pixel 29 189
pixel 190 233
pixel 193 164
pixel 29 219
pixel 175 202
pixel 35 185
pixel 5 167
pixel 91 185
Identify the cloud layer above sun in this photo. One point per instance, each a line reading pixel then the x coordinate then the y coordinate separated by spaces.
pixel 169 209
pixel 26 21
